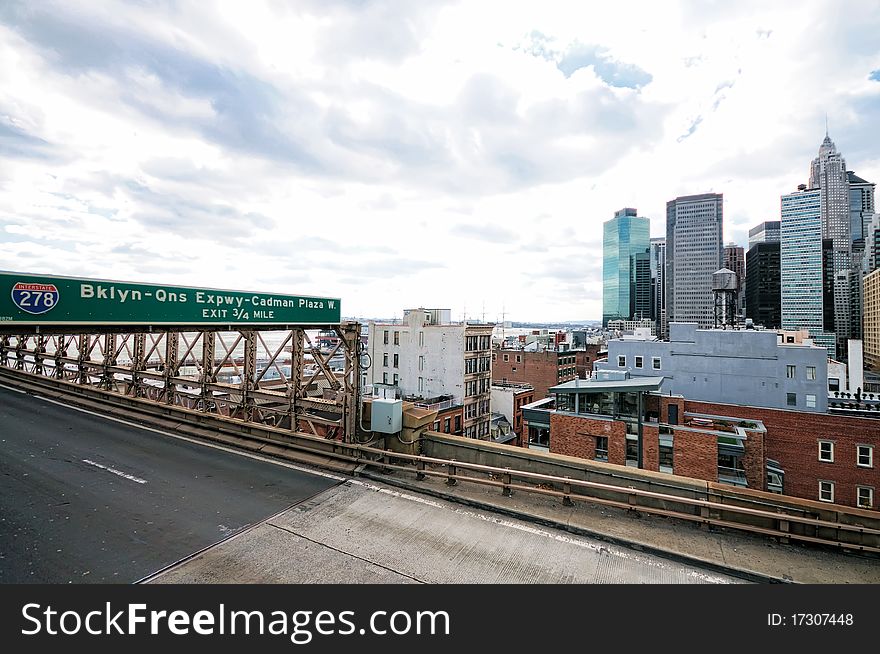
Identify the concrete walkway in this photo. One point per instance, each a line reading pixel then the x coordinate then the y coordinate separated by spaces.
pixel 368 532
pixel 757 558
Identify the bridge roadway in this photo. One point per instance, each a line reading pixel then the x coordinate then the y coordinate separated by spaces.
pixel 85 498
pixel 89 499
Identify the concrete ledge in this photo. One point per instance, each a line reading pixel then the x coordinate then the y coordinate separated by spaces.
pixel 644 546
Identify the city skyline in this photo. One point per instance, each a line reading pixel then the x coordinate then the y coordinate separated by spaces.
pixel 395 155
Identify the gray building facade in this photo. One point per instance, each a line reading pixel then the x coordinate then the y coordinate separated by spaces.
pixel 694 251
pixel 766 232
pixel 733 366
pixel 658 284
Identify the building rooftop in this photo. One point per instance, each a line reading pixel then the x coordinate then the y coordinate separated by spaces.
pixel 605 385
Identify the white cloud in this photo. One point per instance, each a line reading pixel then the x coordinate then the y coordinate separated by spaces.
pixel 394 153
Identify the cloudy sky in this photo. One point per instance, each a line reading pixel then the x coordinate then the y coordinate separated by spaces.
pixel 397 154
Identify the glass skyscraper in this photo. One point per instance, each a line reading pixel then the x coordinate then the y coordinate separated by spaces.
pixel 626 272
pixel 803 267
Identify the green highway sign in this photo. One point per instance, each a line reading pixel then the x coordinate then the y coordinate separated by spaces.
pixel 29 299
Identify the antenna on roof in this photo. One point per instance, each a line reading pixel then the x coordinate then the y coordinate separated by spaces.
pixel 826 124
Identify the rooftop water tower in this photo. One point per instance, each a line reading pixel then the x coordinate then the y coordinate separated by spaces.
pixel 725 289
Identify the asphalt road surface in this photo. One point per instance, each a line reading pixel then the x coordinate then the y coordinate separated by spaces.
pixel 87 499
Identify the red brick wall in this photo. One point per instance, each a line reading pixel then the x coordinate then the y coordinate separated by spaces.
pixel 525 397
pixel 754 460
pixel 451 413
pixel 792 439
pixel 695 455
pixel 540 369
pixel 584 360
pixel 573 436
pixel 651 447
pixel 660 404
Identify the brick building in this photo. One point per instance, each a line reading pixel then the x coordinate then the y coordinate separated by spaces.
pixel 627 421
pixel 583 359
pixel 540 369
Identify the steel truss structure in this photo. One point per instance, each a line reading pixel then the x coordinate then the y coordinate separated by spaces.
pixel 274 377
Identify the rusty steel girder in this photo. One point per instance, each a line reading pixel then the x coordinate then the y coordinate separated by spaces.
pixel 270 377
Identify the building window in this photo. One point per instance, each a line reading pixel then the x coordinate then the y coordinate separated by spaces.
pixel 638 362
pixel 421 339
pixel 632 453
pixel 506 357
pixel 811 401
pixel 826 451
pixel 494 357
pixel 421 384
pixel 865 456
pixel 396 378
pixel 436 425
pixel 826 491
pixel 421 363
pixel 864 497
pixel 384 377
pixel 397 338
pixel 655 363
pixel 446 425
pixel 811 373
pixel 665 458
pixel 621 361
pixel 385 360
pixel 519 358
pixel 791 399
pixel 601 448
pixel 790 371
pixel 458 423
pixel 396 360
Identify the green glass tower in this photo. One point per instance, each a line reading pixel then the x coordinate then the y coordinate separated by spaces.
pixel 626 274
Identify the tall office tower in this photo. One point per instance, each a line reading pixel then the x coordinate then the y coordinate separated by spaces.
pixel 735 260
pixel 766 232
pixel 640 298
pixel 871 260
pixel 828 175
pixel 806 268
pixel 861 205
pixel 861 213
pixel 694 227
pixel 871 294
pixel 658 285
pixel 762 285
pixel 626 287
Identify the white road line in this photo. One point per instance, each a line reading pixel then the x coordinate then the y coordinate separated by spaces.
pixel 10 388
pixel 194 441
pixel 124 475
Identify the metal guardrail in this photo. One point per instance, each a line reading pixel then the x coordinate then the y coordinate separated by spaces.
pixel 845 535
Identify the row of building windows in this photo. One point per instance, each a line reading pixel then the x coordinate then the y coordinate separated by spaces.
pixel 477 364
pixel 864 454
pixel 447 425
pixel 791 372
pixel 477 431
pixel 476 409
pixel 395 336
pixel 639 362
pixel 864 494
pixel 632 453
pixel 475 343
pixel 477 387
pixel 566 373
pixel 809 400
